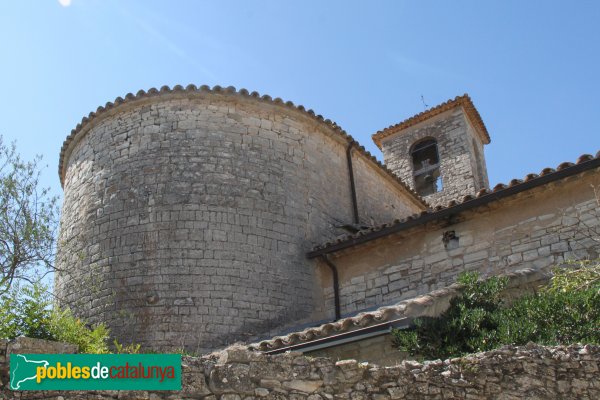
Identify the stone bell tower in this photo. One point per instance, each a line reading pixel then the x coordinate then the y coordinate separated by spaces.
pixel 439 152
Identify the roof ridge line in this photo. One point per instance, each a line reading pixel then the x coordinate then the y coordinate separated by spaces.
pixel 583 163
pixel 230 90
pixel 464 101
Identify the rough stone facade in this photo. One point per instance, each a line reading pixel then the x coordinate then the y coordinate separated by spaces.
pixel 378 347
pixel 529 372
pixel 194 218
pixel 362 335
pixel 379 350
pixel 538 229
pixel 187 215
pixel 462 162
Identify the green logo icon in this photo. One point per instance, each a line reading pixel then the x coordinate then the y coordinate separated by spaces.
pixel 95 372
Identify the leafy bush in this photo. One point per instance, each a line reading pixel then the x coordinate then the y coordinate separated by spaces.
pixel 27 311
pixel 132 348
pixel 470 324
pixel 66 328
pixel 565 311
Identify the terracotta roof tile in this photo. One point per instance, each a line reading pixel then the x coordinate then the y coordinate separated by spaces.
pixel 515 186
pixel 414 307
pixel 230 90
pixel 464 101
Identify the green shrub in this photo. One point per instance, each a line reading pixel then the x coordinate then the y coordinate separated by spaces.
pixel 565 311
pixel 469 325
pixel 27 311
pixel 66 328
pixel 132 348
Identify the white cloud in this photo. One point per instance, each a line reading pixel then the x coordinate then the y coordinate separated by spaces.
pixel 65 3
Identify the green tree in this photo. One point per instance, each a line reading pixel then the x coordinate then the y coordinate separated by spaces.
pixel 28 220
pixel 25 311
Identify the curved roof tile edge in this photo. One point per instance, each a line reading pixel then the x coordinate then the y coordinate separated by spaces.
pixel 464 101
pixel 425 216
pixel 380 315
pixel 230 90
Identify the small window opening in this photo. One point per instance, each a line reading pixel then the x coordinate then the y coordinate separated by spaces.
pixel 426 167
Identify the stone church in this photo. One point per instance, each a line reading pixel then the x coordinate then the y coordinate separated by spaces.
pixel 198 217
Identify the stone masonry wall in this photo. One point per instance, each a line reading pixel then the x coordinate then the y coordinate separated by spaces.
pixel 529 372
pixel 462 163
pixel 187 216
pixel 536 230
pixel 379 350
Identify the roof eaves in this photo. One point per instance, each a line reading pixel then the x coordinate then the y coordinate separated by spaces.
pixel 483 197
pixel 400 312
pixel 464 101
pixel 192 89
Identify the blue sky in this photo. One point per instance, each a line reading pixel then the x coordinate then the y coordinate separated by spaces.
pixel 531 67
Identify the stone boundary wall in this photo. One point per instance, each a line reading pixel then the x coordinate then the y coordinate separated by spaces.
pixel 529 372
pixel 535 230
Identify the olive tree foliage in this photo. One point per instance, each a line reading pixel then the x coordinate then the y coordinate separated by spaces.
pixel 28 220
